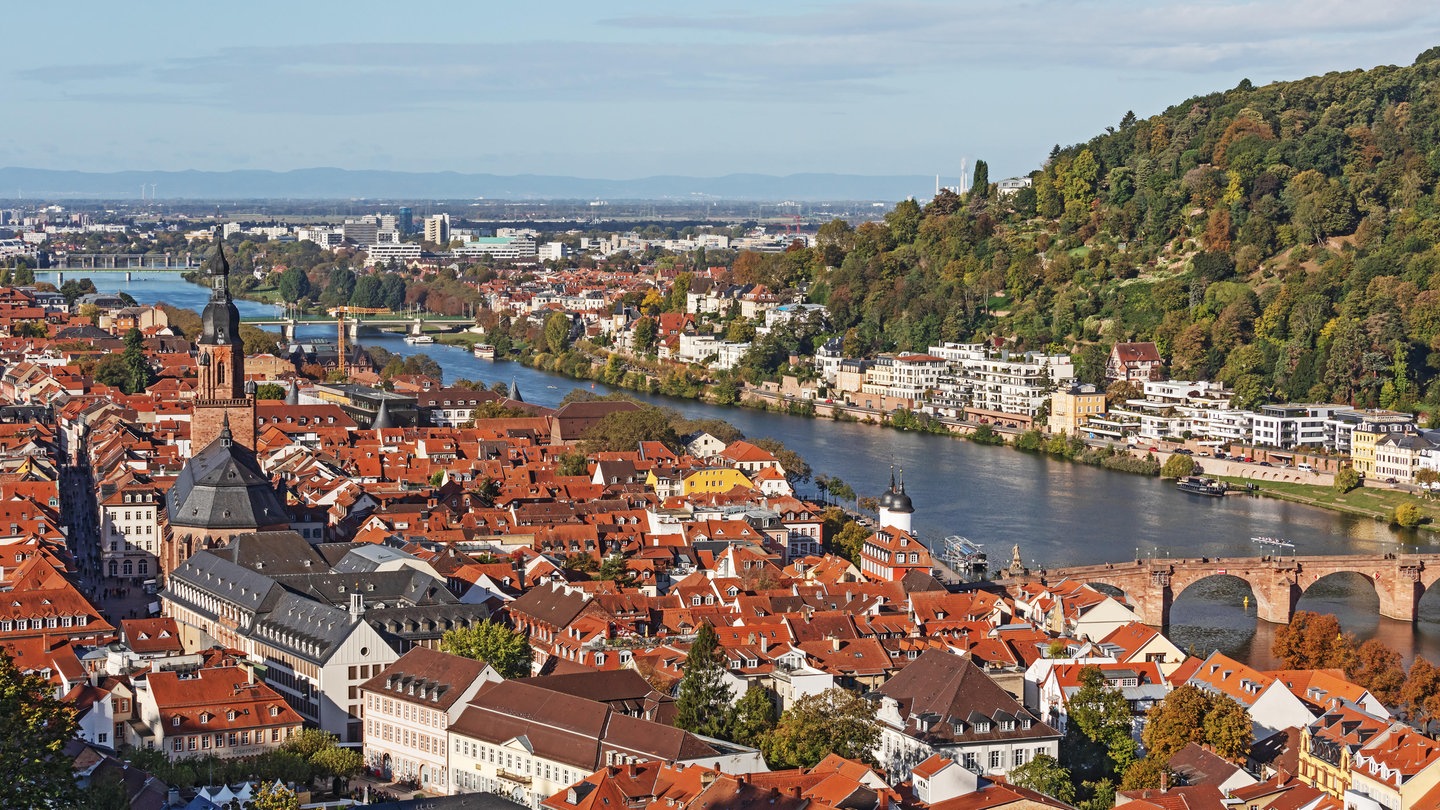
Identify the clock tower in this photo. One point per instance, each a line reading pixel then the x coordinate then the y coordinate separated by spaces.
pixel 223 396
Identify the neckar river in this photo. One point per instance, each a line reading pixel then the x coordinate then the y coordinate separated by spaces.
pixel 1058 513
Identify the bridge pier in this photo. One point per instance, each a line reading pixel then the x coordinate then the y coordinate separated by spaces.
pixel 287 329
pixel 1276 599
pixel 1400 589
pixel 352 329
pixel 417 327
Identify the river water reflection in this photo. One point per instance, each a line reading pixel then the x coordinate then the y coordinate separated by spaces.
pixel 1058 513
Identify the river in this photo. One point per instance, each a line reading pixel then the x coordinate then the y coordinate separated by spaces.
pixel 1057 512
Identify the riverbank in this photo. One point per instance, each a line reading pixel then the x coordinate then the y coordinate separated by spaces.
pixel 1369 502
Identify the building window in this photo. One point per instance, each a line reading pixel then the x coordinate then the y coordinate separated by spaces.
pixel 994 759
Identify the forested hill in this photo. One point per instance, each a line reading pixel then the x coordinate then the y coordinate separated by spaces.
pixel 1282 239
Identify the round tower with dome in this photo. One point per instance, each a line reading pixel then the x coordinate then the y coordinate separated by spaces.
pixel 896 508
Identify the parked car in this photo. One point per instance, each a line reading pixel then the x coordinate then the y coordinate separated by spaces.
pixel 1185 451
pixel 1264 464
pixel 1391 481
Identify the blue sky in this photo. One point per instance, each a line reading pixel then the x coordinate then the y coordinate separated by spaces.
pixel 629 89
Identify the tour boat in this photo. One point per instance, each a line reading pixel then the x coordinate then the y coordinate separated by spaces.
pixel 418 339
pixel 1195 485
pixel 484 351
pixel 1273 541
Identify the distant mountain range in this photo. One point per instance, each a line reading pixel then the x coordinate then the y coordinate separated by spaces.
pixel 328 183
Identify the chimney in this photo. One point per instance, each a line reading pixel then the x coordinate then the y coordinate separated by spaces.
pixel 834 644
pixel 1164 780
pixel 357 605
pixel 882 801
pixel 764 643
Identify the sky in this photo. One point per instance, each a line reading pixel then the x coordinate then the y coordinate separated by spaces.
pixel 625 89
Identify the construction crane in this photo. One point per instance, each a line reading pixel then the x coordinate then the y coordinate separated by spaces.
pixel 339 314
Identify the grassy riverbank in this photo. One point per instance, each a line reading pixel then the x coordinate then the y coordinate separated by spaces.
pixel 1372 502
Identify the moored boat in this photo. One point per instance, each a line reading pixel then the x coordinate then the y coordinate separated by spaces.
pixel 1196 485
pixel 484 351
pixel 414 340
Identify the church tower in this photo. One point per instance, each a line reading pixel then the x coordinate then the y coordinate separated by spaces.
pixel 222 396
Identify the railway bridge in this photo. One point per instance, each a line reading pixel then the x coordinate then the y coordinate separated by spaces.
pixel 1277 582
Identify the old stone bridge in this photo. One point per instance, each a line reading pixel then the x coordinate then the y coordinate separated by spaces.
pixel 1276 582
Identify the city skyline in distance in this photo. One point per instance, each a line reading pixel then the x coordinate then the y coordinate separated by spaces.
pixel 630 90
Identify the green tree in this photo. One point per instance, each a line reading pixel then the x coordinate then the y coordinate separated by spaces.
pixel 615 568
pixel 557 332
pixel 1044 774
pixel 1097 744
pixel 1346 479
pixel 508 651
pixel 980 186
pixel 293 284
pixel 1144 774
pixel 34 728
pixel 572 463
pixel 835 721
pixel 270 391
pixel 796 469
pixel 753 718
pixel 337 761
pixel 645 335
pixel 622 431
pixel 702 702
pixel 1178 465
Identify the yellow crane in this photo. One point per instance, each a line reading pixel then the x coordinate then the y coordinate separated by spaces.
pixel 339 314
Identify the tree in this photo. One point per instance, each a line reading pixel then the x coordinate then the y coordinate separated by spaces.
pixel 644 334
pixel 337 761
pixel 1346 479
pixel 1380 670
pixel 795 467
pixel 1045 774
pixel 615 568
pixel 1097 744
pixel 34 728
pixel 1178 465
pixel 980 187
pixel 270 391
pixel 572 463
pixel 1313 641
pixel 754 717
pixel 702 703
pixel 557 332
pixel 1421 692
pixel 1228 730
pixel 508 651
pixel 274 796
pixel 1407 515
pixel 622 431
pixel 835 721
pixel 293 284
pixel 1144 773
pixel 1176 722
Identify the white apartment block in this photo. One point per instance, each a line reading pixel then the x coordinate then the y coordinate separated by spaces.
pixel 500 247
pixel 384 253
pixel 904 376
pixel 130 532
pixel 993 380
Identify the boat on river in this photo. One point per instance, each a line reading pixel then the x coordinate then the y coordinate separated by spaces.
pixel 416 340
pixel 484 351
pixel 1273 542
pixel 1196 485
pixel 963 556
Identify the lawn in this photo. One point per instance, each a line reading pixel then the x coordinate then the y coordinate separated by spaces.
pixel 1371 502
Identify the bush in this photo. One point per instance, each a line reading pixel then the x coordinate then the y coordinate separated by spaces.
pixel 1178 465
pixel 1407 515
pixel 985 434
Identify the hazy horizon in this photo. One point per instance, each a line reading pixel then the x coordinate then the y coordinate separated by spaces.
pixel 628 90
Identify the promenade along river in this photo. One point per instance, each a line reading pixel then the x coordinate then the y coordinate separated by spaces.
pixel 1057 512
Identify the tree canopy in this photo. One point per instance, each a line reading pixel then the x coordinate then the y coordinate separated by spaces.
pixel 508 651
pixel 835 721
pixel 34 728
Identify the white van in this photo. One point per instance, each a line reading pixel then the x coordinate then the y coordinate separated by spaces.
pixel 1305 468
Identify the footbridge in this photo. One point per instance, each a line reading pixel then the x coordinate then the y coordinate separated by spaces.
pixel 1276 582
pixel 414 324
pixel 123 261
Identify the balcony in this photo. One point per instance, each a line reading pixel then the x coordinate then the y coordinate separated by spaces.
pixel 518 779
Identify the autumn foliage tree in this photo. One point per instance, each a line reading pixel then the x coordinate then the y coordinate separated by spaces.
pixel 1313 641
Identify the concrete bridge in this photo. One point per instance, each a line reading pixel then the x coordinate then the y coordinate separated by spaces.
pixel 123 261
pixel 1277 582
pixel 414 324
